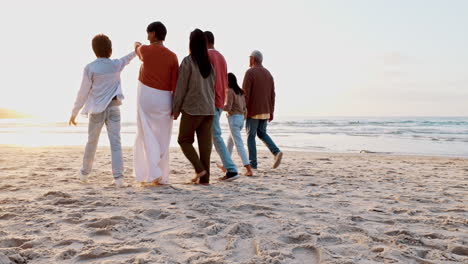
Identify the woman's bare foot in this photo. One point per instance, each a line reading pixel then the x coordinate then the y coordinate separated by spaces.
pixel 221 167
pixel 198 176
pixel 156 183
pixel 249 171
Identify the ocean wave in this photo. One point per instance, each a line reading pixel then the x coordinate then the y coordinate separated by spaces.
pixel 342 123
pixel 431 129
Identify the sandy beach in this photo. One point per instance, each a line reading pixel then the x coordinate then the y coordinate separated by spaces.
pixel 315 208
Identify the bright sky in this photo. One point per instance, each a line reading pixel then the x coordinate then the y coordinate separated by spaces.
pixel 328 57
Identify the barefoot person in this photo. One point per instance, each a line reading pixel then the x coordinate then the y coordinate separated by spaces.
pixel 220 67
pixel 101 95
pixel 236 110
pixel 195 99
pixel 157 81
pixel 259 89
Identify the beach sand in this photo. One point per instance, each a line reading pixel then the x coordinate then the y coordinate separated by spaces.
pixel 315 208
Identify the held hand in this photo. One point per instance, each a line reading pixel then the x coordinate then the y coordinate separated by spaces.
pixel 271 118
pixel 175 115
pixel 137 45
pixel 72 121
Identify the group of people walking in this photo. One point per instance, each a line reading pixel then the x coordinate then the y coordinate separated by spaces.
pixel 197 91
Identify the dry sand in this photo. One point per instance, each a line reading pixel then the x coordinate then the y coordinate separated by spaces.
pixel 315 208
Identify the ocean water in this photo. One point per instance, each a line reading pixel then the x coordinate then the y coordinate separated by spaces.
pixel 433 136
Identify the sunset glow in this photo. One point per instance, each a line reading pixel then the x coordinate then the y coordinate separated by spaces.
pixel 334 58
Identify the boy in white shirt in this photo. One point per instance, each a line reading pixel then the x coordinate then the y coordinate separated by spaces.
pixel 101 95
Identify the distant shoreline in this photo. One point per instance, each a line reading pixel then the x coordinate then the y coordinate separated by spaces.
pixel 439 137
pixel 290 150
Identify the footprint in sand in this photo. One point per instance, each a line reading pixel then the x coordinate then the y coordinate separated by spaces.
pixel 103 223
pixel 215 229
pixel 7 216
pixel 69 242
pixel 329 240
pixel 459 250
pixel 6 187
pixel 57 194
pixel 296 238
pixel 350 229
pixel 251 207
pixel 65 201
pixel 305 255
pixel 100 233
pixel 67 254
pixel 101 252
pixel 12 242
pixel 75 215
pixel 61 169
pixel 357 219
pixel 155 214
pixel 243 230
pixel 100 204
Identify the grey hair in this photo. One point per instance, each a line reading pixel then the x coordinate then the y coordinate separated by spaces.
pixel 257 55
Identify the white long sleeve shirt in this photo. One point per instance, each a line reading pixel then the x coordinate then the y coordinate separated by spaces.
pixel 101 83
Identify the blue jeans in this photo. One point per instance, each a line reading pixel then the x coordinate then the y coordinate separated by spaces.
pixel 219 143
pixel 110 117
pixel 236 123
pixel 258 127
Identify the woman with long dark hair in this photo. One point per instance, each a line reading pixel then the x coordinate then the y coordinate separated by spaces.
pixel 236 110
pixel 195 99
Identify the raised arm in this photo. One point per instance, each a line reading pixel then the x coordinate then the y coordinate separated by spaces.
pixel 181 87
pixel 125 60
pixel 138 50
pixel 82 95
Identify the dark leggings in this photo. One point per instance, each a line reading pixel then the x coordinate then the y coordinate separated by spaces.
pixel 201 125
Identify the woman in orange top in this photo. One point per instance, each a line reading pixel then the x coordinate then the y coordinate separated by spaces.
pixel 157 81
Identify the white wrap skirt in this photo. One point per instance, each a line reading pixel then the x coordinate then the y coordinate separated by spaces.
pixel 154 129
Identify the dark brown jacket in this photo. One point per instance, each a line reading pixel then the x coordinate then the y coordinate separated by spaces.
pixel 259 89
